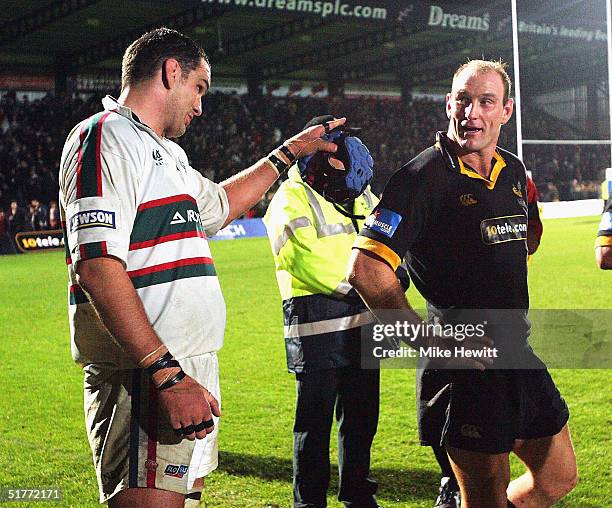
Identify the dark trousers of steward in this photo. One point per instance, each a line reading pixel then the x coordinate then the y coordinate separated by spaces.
pixel 354 393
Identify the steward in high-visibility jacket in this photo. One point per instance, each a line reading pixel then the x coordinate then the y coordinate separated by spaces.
pixel 311 242
pixel 312 223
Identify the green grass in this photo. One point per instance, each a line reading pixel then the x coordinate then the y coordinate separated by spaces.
pixel 42 437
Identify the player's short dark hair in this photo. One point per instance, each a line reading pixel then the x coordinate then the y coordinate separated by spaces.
pixel 144 57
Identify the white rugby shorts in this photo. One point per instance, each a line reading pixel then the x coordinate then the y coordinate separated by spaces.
pixel 133 443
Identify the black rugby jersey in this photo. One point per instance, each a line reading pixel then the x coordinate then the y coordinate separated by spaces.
pixel 463 236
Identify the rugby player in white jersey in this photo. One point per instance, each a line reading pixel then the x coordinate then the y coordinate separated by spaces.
pixel 146 311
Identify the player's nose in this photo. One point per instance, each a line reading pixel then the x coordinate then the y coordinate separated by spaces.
pixel 197 106
pixel 471 111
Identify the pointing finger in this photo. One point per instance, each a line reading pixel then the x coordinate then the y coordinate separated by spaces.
pixel 336 123
pixel 327 146
pixel 327 127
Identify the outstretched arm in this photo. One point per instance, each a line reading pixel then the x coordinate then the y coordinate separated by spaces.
pixel 247 187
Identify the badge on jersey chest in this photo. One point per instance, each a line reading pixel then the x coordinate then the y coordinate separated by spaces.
pixel 468 199
pixel 157 157
pixel 504 229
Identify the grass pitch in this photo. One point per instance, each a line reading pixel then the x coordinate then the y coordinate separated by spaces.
pixel 42 438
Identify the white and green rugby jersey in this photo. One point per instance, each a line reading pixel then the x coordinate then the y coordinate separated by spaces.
pixel 127 193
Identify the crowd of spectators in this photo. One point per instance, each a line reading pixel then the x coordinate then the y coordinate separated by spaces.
pixel 567 172
pixel 237 130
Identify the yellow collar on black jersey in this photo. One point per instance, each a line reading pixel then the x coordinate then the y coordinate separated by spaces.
pixel 456 164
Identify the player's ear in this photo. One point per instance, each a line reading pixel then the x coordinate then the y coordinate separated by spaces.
pixel 171 72
pixel 508 109
pixel 448 105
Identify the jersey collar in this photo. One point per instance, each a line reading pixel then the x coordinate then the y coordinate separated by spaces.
pixel 111 104
pixel 455 164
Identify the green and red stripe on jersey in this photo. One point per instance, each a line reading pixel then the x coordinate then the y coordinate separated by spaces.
pixel 86 250
pixel 174 270
pixel 165 220
pixel 92 250
pixel 89 163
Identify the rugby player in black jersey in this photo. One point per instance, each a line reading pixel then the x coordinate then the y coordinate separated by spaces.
pixel 457 213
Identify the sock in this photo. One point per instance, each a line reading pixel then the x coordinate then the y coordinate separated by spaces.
pixel 444 463
pixel 192 500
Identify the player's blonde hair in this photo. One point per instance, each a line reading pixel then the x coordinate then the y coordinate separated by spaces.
pixel 482 66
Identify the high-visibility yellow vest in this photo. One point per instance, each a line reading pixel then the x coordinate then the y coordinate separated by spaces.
pixel 311 243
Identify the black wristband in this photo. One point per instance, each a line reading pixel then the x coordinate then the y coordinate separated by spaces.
pixel 287 152
pixel 172 381
pixel 204 425
pixel 280 166
pixel 163 362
